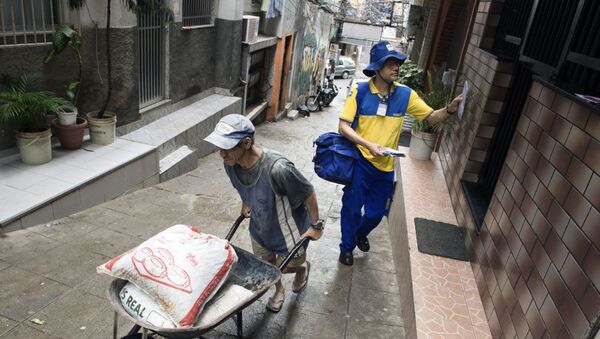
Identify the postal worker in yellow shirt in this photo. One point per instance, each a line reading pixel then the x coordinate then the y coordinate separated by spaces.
pixel 372 119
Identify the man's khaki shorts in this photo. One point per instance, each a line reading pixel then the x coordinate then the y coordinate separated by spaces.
pixel 266 254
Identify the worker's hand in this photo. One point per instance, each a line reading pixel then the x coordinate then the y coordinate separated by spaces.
pixel 375 149
pixel 313 233
pixel 453 106
pixel 246 211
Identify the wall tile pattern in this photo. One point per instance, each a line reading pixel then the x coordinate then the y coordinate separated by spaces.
pixel 533 259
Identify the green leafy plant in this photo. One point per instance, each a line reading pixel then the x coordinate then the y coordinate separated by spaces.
pixel 66 36
pixel 411 75
pixel 437 98
pixel 20 101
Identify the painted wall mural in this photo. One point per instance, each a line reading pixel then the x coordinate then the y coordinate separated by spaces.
pixel 316 46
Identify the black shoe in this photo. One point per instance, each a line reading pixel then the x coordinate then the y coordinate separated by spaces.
pixel 363 243
pixel 346 258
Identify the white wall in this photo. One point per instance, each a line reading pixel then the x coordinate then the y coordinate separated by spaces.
pixel 230 9
pixel 120 17
pixel 359 31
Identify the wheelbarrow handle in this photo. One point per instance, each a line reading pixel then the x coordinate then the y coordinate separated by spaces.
pixel 234 227
pixel 302 243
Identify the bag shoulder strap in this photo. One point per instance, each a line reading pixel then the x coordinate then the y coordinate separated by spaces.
pixel 361 91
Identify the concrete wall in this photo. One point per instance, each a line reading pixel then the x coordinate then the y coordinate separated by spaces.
pixel 198 59
pixel 191 61
pixel 535 258
pixel 63 70
pixel 401 255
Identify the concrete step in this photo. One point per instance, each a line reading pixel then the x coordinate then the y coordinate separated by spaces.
pixel 180 161
pixel 179 136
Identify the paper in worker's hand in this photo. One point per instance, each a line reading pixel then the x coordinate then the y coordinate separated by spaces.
pixel 461 106
pixel 393 152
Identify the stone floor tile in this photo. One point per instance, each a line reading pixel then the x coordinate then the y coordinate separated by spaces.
pixel 3 265
pixel 68 264
pixel 324 298
pixel 108 243
pixel 310 325
pixel 99 216
pixel 64 230
pixel 133 202
pixel 67 315
pixel 362 329
pixel 429 326
pixel 375 261
pixel 24 245
pixel 96 284
pixel 23 331
pixel 375 306
pixel 375 279
pixel 23 292
pixel 6 325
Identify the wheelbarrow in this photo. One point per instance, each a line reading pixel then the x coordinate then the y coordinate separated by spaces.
pixel 250 272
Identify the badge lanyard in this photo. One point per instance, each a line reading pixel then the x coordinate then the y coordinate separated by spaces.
pixel 382 107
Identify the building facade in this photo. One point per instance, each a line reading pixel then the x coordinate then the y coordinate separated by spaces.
pixel 523 167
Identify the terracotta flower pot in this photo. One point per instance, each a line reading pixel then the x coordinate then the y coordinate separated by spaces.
pixel 70 136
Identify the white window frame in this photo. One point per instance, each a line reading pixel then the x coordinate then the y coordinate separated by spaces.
pixel 187 16
pixel 35 30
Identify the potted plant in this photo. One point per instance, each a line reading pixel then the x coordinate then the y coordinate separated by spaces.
pixel 21 102
pixel 411 75
pixel 424 135
pixel 68 126
pixel 103 122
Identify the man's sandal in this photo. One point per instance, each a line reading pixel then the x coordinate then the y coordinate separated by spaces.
pixel 295 287
pixel 275 305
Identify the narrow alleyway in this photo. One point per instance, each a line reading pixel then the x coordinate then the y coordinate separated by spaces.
pixel 48 271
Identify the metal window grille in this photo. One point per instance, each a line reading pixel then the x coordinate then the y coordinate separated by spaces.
pixel 582 69
pixel 198 13
pixel 549 31
pixel 511 27
pixel 29 21
pixel 151 54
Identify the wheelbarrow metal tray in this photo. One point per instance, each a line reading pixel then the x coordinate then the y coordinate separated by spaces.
pixel 250 272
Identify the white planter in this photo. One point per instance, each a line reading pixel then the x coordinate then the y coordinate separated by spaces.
pixel 421 145
pixel 102 131
pixel 35 148
pixel 67 116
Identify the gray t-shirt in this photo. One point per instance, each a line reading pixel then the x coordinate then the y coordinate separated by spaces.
pixel 285 178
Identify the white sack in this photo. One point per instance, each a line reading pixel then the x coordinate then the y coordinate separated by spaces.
pixel 180 268
pixel 141 306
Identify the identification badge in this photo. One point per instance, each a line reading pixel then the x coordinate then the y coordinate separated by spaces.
pixel 382 109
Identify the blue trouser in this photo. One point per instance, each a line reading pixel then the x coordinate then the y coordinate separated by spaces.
pixel 370 188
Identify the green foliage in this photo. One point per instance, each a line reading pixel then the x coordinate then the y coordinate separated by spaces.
pixel 437 98
pixel 66 36
pixel 20 101
pixel 411 75
pixel 71 91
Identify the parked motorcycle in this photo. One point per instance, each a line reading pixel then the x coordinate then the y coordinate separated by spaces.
pixel 323 97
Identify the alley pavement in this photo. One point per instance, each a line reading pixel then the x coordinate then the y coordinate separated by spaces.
pixel 49 286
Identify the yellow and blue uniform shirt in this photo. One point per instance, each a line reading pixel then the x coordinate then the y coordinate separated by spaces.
pixel 383 129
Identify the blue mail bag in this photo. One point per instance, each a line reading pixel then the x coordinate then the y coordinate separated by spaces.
pixel 335 155
pixel 334 158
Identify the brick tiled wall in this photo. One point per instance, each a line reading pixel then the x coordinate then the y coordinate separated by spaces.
pixel 536 259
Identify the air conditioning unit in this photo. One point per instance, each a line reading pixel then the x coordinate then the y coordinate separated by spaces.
pixel 250 32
